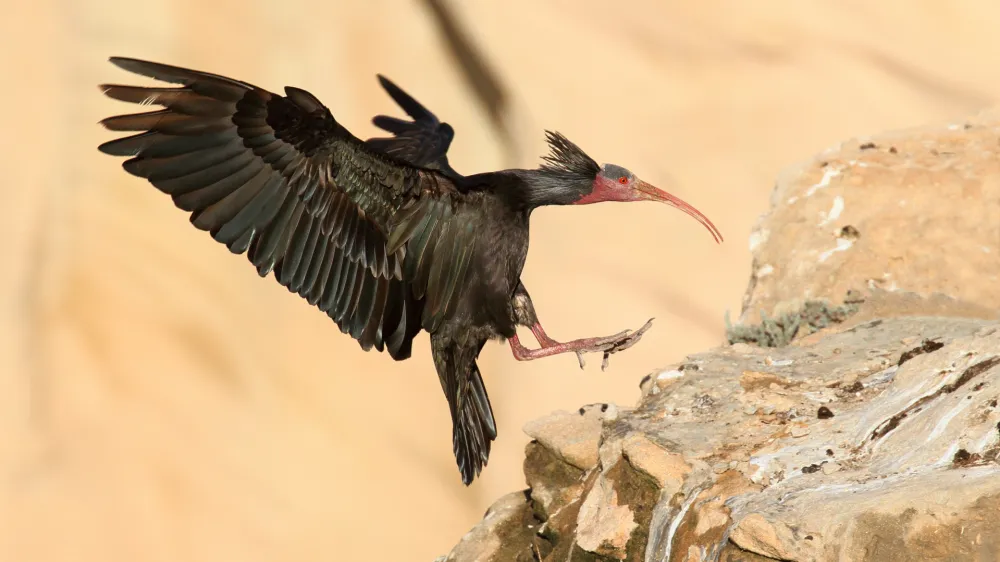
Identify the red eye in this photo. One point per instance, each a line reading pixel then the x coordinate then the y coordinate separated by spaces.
pixel 623 180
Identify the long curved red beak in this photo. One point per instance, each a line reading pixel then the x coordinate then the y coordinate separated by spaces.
pixel 647 192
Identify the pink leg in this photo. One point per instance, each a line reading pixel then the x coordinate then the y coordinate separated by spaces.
pixel 607 345
pixel 543 339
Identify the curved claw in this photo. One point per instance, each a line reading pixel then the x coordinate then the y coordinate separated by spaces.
pixel 625 343
pixel 613 344
pixel 606 345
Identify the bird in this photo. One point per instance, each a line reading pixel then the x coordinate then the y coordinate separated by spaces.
pixel 382 235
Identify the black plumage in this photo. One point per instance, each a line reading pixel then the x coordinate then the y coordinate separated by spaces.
pixel 422 142
pixel 382 235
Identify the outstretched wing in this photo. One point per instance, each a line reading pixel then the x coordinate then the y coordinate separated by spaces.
pixel 422 142
pixel 278 178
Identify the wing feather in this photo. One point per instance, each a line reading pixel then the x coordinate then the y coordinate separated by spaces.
pixel 364 236
pixel 422 142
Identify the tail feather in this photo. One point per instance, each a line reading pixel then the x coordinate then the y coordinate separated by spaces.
pixel 482 401
pixel 473 425
pixel 474 430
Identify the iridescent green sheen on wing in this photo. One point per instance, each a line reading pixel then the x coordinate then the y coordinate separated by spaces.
pixel 278 178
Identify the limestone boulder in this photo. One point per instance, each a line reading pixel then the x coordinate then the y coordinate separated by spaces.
pixel 915 210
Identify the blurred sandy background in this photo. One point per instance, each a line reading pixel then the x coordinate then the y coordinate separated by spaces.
pixel 160 401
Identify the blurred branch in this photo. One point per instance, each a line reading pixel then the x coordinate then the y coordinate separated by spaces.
pixel 486 84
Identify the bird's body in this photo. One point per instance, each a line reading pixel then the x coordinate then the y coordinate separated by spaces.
pixel 383 235
pixel 493 275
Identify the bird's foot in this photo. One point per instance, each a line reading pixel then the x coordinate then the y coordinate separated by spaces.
pixel 606 345
pixel 613 344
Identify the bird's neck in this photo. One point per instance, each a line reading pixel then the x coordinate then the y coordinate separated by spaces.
pixel 537 188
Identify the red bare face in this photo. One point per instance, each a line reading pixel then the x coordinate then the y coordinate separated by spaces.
pixel 607 189
pixel 615 183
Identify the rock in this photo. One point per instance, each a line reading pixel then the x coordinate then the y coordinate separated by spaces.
pixel 604 526
pixel 799 430
pixel 668 469
pixel 554 483
pixel 869 215
pixel 571 436
pixel 912 453
pixel 754 533
pixel 506 534
pixel 872 437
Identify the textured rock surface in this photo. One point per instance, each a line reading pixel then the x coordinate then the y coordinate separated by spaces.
pixel 873 434
pixel 879 441
pixel 914 210
pixel 505 533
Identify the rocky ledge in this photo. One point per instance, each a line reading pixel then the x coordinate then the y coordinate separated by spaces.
pixel 864 427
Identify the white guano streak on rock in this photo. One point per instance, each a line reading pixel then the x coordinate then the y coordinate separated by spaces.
pixel 946 419
pixel 886 418
pixel 670 374
pixel 758 237
pixel 987 440
pixel 872 419
pixel 835 211
pixel 675 523
pixel 939 428
pixel 842 244
pixel 933 389
pixel 947 458
pixel 855 486
pixel 828 175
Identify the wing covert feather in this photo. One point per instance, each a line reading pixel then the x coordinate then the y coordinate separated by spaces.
pixel 368 238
